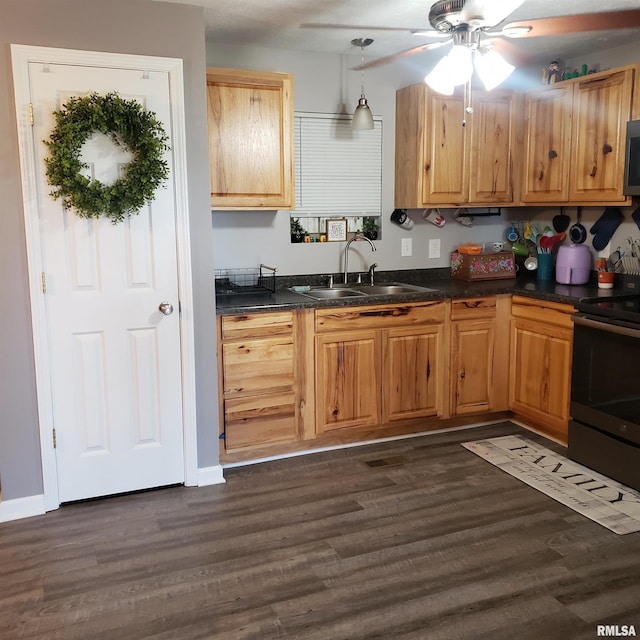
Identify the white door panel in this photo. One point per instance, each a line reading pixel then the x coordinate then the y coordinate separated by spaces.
pixel 114 357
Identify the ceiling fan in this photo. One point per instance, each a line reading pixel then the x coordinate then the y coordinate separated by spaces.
pixel 465 22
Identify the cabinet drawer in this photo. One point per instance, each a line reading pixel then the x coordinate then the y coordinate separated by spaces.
pixel 259 420
pixel 468 308
pixel 258 365
pixel 379 316
pixel 552 313
pixel 256 325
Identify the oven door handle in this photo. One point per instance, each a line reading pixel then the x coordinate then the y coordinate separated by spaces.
pixel 586 321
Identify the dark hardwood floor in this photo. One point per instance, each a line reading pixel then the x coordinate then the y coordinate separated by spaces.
pixel 431 543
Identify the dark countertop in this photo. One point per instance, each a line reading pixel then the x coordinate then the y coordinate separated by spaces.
pixel 438 280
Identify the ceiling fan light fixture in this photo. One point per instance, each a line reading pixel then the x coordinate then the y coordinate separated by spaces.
pixel 362 117
pixel 492 68
pixel 440 78
pixel 460 64
pixel 454 69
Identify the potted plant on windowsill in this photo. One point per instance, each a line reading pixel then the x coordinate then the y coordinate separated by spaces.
pixel 297 230
pixel 370 227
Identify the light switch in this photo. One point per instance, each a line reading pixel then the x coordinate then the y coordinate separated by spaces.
pixel 406 249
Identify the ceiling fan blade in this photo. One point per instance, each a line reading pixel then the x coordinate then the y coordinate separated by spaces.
pixel 488 13
pixel 360 27
pixel 509 51
pixel 401 54
pixel 580 23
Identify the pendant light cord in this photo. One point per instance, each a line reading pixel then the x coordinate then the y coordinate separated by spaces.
pixel 362 70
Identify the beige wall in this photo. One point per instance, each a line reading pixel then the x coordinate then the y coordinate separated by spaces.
pixel 122 26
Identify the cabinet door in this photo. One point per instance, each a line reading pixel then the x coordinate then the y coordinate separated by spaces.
pixel 414 375
pixel 347 380
pixel 472 363
pixel 601 108
pixel 444 178
pixel 250 116
pixel 541 373
pixel 490 163
pixel 547 145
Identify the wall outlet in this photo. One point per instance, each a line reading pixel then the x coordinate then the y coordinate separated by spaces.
pixel 406 248
pixel 434 248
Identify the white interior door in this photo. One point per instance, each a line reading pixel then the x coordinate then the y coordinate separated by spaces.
pixel 114 358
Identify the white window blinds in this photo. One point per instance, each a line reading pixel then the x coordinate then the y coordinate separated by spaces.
pixel 338 171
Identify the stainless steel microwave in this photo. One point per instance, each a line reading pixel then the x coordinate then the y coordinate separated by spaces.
pixel 632 159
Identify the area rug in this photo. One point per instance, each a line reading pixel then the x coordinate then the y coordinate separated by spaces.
pixel 591 494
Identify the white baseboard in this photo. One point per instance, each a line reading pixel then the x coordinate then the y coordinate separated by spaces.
pixel 210 475
pixel 21 508
pixel 360 443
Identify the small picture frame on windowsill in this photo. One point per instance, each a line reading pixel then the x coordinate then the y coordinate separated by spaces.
pixel 337 230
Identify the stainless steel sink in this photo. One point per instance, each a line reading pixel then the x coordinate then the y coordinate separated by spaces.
pixel 330 294
pixel 390 288
pixel 355 290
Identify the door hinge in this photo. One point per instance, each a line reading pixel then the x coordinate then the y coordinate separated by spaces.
pixel 55 439
pixel 43 279
pixel 30 108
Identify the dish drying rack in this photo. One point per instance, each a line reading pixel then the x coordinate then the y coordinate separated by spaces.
pixel 246 281
pixel 627 261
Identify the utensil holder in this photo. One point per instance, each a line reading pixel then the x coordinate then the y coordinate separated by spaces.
pixel 545 267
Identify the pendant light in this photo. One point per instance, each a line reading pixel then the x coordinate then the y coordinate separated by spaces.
pixel 362 116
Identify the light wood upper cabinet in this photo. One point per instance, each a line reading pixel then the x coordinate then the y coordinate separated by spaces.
pixel 601 108
pixel 493 134
pixel 541 351
pixel 447 157
pixel 548 144
pixel 575 139
pixel 250 117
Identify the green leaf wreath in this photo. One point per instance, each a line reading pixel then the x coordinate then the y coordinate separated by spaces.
pixel 129 126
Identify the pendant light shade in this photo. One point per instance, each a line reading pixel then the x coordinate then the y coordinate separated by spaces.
pixel 492 68
pixel 362 116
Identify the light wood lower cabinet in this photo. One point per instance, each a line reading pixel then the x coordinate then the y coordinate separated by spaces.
pixel 262 377
pixel 380 363
pixel 338 374
pixel 414 372
pixel 541 351
pixel 348 380
pixel 479 354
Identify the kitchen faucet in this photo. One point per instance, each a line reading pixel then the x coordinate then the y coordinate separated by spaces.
pixel 372 269
pixel 346 253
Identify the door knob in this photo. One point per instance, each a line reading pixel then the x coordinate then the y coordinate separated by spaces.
pixel 166 308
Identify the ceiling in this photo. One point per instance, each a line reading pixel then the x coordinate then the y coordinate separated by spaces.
pixel 277 24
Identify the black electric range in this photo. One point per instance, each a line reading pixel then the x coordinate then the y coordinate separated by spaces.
pixel 621 304
pixel 604 430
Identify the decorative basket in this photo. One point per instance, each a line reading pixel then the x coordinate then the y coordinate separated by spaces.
pixel 485 266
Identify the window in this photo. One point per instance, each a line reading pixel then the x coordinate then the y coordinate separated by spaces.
pixel 338 170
